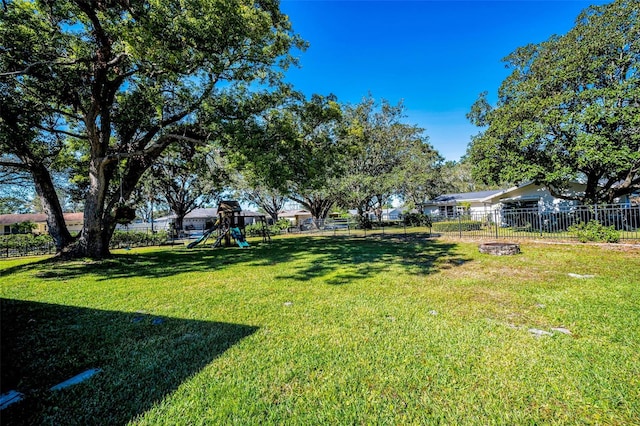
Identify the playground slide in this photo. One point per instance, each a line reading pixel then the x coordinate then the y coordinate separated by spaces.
pixel 237 235
pixel 203 238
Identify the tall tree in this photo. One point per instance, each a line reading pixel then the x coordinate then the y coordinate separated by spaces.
pixel 187 177
pixel 457 176
pixel 569 110
pixel 295 150
pixel 127 79
pixel 255 190
pixel 386 157
pixel 421 174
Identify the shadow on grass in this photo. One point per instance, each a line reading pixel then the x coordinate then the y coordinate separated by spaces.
pixel 339 259
pixel 342 262
pixel 143 359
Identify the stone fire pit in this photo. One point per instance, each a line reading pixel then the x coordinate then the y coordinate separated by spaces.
pixel 499 249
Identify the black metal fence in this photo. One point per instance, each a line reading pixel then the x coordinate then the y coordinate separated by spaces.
pixel 541 224
pixel 623 220
pixel 504 223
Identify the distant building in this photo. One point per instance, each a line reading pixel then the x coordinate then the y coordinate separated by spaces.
pixel 296 217
pixel 8 222
pixel 451 205
pixel 201 219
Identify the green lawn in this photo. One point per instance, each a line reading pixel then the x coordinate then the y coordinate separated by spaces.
pixel 326 331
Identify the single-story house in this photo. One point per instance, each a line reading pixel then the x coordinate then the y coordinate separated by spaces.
pixel 8 222
pixel 528 195
pixel 296 217
pixel 387 214
pixel 201 219
pixel 452 205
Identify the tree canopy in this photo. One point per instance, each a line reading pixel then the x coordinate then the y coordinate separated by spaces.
pixel 294 150
pixel 569 110
pixel 385 157
pixel 121 81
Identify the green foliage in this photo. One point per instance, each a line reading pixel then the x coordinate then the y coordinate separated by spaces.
pixel 364 222
pixel 282 224
pixel 137 239
pixel 25 244
pixel 292 150
pixel 385 156
pixel 457 226
pixel 23 227
pixel 569 110
pixel 417 219
pixel 594 231
pixel 101 90
pixel 256 229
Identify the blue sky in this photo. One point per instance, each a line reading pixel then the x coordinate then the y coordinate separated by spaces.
pixel 435 56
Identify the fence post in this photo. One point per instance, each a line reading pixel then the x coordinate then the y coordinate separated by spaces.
pixel 460 225
pixel 495 221
pixel 540 219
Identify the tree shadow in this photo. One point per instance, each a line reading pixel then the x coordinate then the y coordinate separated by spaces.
pixel 339 263
pixel 337 259
pixel 142 360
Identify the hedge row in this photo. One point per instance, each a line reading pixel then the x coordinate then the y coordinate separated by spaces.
pixel 31 244
pixel 25 244
pixel 137 239
pixel 456 226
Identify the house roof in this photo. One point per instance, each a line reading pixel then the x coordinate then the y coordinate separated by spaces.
pixel 293 213
pixel 205 213
pixel 201 213
pixel 464 196
pixel 10 219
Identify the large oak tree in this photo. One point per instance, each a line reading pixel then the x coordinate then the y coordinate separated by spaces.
pixel 295 151
pixel 569 110
pixel 124 79
pixel 385 157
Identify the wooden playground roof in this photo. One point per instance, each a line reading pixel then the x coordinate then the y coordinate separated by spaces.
pixel 229 206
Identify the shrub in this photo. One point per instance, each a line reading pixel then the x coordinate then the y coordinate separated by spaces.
pixel 23 227
pixel 255 229
pixel 25 244
pixel 364 222
pixel 457 226
pixel 136 239
pixel 594 231
pixel 417 219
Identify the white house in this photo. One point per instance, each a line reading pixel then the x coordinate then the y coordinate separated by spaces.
pixel 296 217
pixel 530 195
pixel 201 219
pixel 452 205
pixel 525 196
pixel 393 213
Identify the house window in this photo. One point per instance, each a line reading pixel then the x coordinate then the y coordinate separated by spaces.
pixel 520 204
pixel 446 211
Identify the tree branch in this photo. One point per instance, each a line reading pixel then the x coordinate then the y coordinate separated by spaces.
pixel 14 165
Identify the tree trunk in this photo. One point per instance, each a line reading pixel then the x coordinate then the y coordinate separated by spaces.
pixel 319 208
pixel 98 225
pixel 51 206
pixel 179 222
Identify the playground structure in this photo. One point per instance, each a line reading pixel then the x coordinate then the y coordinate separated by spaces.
pixel 230 224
